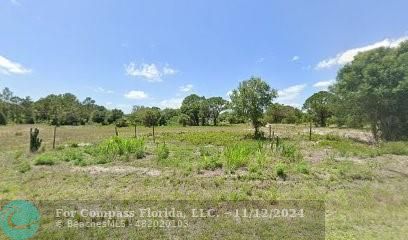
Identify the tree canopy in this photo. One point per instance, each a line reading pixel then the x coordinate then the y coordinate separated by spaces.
pixel 318 106
pixel 251 99
pixel 375 85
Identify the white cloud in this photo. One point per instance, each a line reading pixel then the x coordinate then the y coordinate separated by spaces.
pixel 9 67
pixel 186 88
pixel 290 93
pixel 150 72
pixel 171 103
pixel 295 58
pixel 134 94
pixel 324 85
pixel 102 90
pixel 348 56
pixel 168 70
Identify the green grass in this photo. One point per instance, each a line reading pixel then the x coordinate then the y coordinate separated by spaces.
pixel 46 159
pixel 366 194
pixel 239 155
pixel 162 151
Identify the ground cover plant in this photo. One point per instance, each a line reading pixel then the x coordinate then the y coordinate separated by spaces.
pixel 354 179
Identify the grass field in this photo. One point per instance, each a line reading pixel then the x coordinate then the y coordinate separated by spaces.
pixel 364 187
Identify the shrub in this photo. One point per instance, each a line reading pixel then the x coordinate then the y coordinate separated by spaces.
pixel 45 159
pixel 122 122
pixel 116 146
pixel 211 162
pixel 239 155
pixel 303 168
pixel 280 170
pixel 162 151
pixel 75 156
pixel 290 152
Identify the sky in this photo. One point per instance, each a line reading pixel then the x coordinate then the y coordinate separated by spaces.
pixel 156 52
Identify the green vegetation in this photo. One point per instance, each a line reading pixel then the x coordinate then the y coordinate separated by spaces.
pixel 162 152
pixel 373 89
pixel 117 146
pixel 251 99
pixel 363 182
pixel 215 163
pixel 318 106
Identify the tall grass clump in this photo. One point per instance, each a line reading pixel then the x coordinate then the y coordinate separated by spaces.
pixel 46 159
pixel 117 146
pixel 162 152
pixel 290 152
pixel 397 148
pixel 239 155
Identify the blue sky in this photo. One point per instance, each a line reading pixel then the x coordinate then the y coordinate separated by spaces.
pixel 151 52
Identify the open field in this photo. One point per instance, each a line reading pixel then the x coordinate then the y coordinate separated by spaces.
pixel 364 187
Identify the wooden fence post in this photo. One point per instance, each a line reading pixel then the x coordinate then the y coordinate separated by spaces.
pixel 270 132
pixel 310 131
pixel 55 133
pixel 135 131
pixel 116 131
pixel 154 140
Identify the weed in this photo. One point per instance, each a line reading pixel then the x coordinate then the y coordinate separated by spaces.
pixel 280 169
pixel 45 159
pixel 397 148
pixel 290 152
pixel 211 162
pixel 24 167
pixel 162 152
pixel 239 155
pixel 116 146
pixel 73 155
pixel 303 167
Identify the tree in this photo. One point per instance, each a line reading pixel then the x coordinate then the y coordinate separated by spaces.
pixel 375 85
pixel 99 116
pixel 151 118
pixel 115 115
pixel 204 113
pixel 191 107
pixel 318 107
pixel 279 113
pixel 167 114
pixel 136 117
pixel 183 119
pixel 251 99
pixel 216 105
pixel 3 119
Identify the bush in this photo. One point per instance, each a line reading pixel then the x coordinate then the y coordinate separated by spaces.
pixel 45 159
pixel 239 155
pixel 211 162
pixel 303 168
pixel 290 152
pixel 3 119
pixel 162 151
pixel 122 122
pixel 281 170
pixel 116 146
pixel 75 156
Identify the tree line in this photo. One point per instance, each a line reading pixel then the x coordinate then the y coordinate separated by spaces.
pixel 371 91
